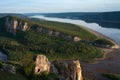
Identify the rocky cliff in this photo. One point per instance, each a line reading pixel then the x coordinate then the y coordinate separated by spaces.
pixel 13 24
pixel 58 34
pixel 66 69
pixel 41 64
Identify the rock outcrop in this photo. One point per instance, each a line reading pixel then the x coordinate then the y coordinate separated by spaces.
pixel 66 69
pixel 115 47
pixel 76 39
pixel 41 65
pixel 8 68
pixel 58 34
pixel 12 25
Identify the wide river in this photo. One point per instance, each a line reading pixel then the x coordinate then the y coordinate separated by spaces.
pixel 109 32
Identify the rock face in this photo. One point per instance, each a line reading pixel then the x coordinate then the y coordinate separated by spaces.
pixel 13 24
pixel 58 34
pixel 66 70
pixel 115 47
pixel 8 68
pixel 76 39
pixel 41 65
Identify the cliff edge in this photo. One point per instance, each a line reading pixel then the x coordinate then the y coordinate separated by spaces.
pixel 66 69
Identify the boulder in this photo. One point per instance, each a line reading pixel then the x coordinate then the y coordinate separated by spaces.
pixel 42 65
pixel 8 68
pixel 76 39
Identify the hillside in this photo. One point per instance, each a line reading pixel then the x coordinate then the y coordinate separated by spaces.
pixel 105 19
pixel 22 39
pixel 50 38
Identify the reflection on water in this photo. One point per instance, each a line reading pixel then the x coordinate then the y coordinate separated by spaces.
pixel 3 57
pixel 110 32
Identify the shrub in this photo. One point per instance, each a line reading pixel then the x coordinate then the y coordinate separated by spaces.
pixel 104 41
pixel 111 76
pixel 0 65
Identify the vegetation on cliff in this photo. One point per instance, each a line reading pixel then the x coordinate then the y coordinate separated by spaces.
pixel 103 42
pixel 22 47
pixel 54 47
pixel 111 76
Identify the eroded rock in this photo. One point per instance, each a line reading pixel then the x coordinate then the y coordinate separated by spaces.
pixel 115 47
pixel 41 65
pixel 8 68
pixel 13 24
pixel 58 34
pixel 76 39
pixel 67 70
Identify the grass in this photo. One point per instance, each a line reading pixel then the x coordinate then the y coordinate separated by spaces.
pixel 54 48
pixel 8 76
pixel 111 76
pixel 83 57
pixel 68 29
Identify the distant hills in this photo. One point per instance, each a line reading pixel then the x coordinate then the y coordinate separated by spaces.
pixel 13 14
pixel 104 19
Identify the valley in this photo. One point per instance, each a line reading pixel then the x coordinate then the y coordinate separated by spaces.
pixel 60 40
pixel 21 39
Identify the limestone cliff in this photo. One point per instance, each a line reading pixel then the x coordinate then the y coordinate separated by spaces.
pixel 66 69
pixel 13 24
pixel 41 64
pixel 58 34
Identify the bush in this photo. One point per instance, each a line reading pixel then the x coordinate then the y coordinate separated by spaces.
pixel 28 64
pixel 104 41
pixel 111 76
pixel 0 65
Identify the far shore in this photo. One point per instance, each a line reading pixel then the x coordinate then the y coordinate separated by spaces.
pixel 99 35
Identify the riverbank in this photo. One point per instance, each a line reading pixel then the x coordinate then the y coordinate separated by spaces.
pixel 109 64
pixel 99 35
pixel 111 33
pixel 86 27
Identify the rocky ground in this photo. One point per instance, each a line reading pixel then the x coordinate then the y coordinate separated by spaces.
pixel 110 64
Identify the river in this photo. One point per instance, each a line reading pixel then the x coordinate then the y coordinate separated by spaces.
pixel 109 32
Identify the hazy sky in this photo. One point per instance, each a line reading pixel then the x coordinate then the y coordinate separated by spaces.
pixel 26 6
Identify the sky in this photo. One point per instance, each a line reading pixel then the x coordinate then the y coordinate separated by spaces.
pixel 50 6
